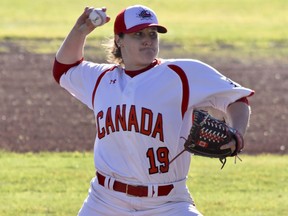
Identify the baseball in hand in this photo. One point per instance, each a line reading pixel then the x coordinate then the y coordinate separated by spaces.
pixel 98 17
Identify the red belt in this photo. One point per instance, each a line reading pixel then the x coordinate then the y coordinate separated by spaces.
pixel 135 190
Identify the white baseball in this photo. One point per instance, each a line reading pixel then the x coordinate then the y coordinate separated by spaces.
pixel 97 17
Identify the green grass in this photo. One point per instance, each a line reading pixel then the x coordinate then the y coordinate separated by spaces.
pixel 57 184
pixel 44 184
pixel 206 25
pixel 257 186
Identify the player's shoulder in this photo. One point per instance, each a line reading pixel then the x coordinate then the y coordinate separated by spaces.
pixel 100 67
pixel 187 64
pixel 184 62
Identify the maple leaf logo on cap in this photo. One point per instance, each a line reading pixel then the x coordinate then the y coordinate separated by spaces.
pixel 136 18
pixel 145 14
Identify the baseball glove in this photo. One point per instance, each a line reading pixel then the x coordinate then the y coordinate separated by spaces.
pixel 207 136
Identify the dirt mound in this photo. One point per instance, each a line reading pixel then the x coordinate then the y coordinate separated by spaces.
pixel 37 115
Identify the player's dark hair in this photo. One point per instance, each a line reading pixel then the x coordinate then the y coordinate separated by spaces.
pixel 114 54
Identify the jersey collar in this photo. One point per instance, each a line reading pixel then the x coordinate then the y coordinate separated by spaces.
pixel 137 72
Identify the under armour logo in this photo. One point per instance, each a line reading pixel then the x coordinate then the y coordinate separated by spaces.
pixel 112 81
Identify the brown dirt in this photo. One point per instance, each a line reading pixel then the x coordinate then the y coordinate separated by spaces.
pixel 37 115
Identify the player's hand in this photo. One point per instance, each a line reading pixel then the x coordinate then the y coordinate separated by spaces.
pixel 231 145
pixel 84 24
pixel 237 142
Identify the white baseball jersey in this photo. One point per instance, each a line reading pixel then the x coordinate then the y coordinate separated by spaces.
pixel 140 120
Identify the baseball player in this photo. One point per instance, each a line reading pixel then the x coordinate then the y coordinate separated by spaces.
pixel 143 106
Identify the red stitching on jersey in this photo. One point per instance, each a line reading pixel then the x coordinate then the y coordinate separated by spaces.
pixel 98 82
pixel 185 87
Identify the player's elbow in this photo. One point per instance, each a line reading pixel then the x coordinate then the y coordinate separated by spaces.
pixel 59 68
pixel 57 72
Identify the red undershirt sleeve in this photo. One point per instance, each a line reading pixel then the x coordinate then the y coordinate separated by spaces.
pixel 59 68
pixel 244 100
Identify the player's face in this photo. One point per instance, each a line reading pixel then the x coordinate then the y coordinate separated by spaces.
pixel 140 48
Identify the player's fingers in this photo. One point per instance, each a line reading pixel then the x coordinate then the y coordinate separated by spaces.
pixel 84 22
pixel 240 141
pixel 231 145
pixel 108 19
pixel 83 17
pixel 88 10
pixel 89 24
pixel 104 9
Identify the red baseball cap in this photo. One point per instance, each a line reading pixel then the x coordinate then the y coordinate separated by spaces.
pixel 136 18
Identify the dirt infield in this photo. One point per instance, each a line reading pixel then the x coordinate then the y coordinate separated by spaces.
pixel 37 115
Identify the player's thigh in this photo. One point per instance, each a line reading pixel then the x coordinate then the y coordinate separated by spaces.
pixel 172 209
pixel 99 209
pixel 183 209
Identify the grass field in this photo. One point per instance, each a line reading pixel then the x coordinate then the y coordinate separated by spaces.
pixel 210 24
pixel 57 184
